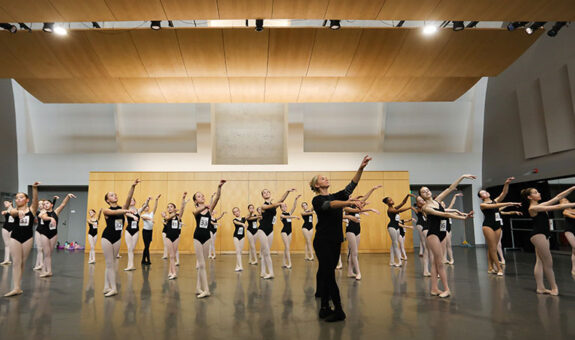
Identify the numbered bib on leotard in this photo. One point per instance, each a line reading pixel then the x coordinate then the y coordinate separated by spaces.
pixel 450 221
pixel 134 224
pixel 255 224
pixel 551 225
pixel 424 218
pixel 274 220
pixel 288 219
pixel 240 230
pixel 180 224
pixel 52 226
pixel 41 221
pixel 204 222
pixel 443 225
pixel 498 218
pixel 25 221
pixel 175 224
pixel 397 218
pixel 10 219
pixel 118 224
pixel 95 225
pixel 310 219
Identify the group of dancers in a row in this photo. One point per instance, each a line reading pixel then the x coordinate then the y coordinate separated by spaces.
pixel 433 223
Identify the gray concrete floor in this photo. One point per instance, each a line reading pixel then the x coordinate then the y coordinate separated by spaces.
pixel 388 303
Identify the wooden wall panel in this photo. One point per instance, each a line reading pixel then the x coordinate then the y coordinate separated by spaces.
pixel 242 189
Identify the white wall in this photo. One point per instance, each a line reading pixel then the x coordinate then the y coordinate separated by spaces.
pixel 424 168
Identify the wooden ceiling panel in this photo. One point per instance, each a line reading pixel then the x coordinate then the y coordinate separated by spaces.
pixel 290 51
pixel 177 90
pixel 160 53
pixel 203 52
pixel 59 90
pixel 191 9
pixel 302 9
pixel 435 89
pixel 32 10
pixel 317 90
pixel 116 50
pixel 143 90
pixel 136 10
pixel 352 89
pixel 4 16
pixel 386 89
pixel 11 66
pixel 333 52
pixel 212 90
pixel 282 89
pixel 109 90
pixel 245 9
pixel 407 10
pixel 376 51
pixel 83 10
pixel 247 90
pixel 354 9
pixel 246 52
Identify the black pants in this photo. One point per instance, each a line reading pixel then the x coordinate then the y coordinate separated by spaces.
pixel 147 236
pixel 327 253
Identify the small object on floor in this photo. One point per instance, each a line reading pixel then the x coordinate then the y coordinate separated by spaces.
pixel 337 315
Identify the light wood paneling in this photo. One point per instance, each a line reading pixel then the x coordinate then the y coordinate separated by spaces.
pixel 85 10
pixel 203 52
pixel 247 90
pixel 143 90
pixel 191 9
pixel 215 90
pixel 282 90
pixel 117 52
pixel 246 52
pixel 160 53
pixel 177 90
pixel 333 52
pixel 134 10
pixel 316 89
pixel 357 9
pixel 290 51
pixel 242 9
pixel 284 9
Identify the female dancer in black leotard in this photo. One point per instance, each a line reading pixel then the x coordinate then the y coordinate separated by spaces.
pixel 447 249
pixel 240 226
pixel 148 230
pixel 286 218
pixel 6 231
pixel 49 232
pixel 329 236
pixel 541 233
pixel 93 234
pixel 21 237
pixel 569 215
pixel 393 228
pixel 133 230
pixel 421 225
pixel 39 223
pixel 265 233
pixel 307 230
pixel 173 222
pixel 112 235
pixel 252 218
pixel 492 224
pixel 437 229
pixel 214 230
pixel 202 236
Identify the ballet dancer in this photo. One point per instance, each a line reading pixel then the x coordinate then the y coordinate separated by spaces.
pixel 329 236
pixel 114 216
pixel 352 233
pixel 49 231
pixel 286 218
pixel 203 214
pixel 492 224
pixel 393 227
pixel 569 215
pixel 437 229
pixel 93 234
pixel 213 231
pixel 421 226
pixel 240 226
pixel 499 247
pixel 541 233
pixel 447 249
pixel 307 230
pixel 148 230
pixel 6 231
pixel 265 233
pixel 22 235
pixel 133 230
pixel 37 223
pixel 252 218
pixel 173 221
pixel 402 226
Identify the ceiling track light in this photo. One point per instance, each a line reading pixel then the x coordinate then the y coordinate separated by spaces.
pixel 156 25
pixel 334 24
pixel 8 27
pixel 48 27
pixel 24 27
pixel 259 25
pixel 535 26
pixel 400 23
pixel 458 25
pixel 472 24
pixel 170 23
pixel 556 28
pixel 60 30
pixel 429 29
pixel 512 26
pixel 96 25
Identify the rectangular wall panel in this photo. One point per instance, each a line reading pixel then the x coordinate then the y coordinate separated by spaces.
pixel 532 120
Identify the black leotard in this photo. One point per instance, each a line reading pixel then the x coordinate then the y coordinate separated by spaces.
pixel 23 228
pixel 570 224
pixel 307 222
pixel 449 222
pixel 202 232
pixel 173 229
pixel 492 217
pixel 51 231
pixel 353 227
pixel 114 226
pixel 253 226
pixel 268 220
pixel 421 221
pixel 437 225
pixel 93 228
pixel 133 226
pixel 287 224
pixel 393 220
pixel 41 227
pixel 239 228
pixel 541 224
pixel 9 222
pixel 402 232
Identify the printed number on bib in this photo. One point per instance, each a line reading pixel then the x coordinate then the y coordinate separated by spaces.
pixel 255 225
pixel 240 230
pixel 95 225
pixel 204 221
pixel 274 220
pixel 25 221
pixel 310 219
pixel 134 225
pixel 288 220
pixel 443 225
pixel 397 218
pixel 498 218
pixel 52 226
pixel 10 219
pixel 41 221
pixel 175 224
pixel 180 225
pixel 118 224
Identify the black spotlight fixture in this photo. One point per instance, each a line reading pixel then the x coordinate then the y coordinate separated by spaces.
pixel 259 25
pixel 334 24
pixel 170 23
pixel 535 26
pixel 556 28
pixel 48 27
pixel 472 24
pixel 24 27
pixel 458 25
pixel 156 25
pixel 8 27
pixel 512 26
pixel 96 25
pixel 400 23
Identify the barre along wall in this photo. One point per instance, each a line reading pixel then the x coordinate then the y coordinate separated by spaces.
pixel 241 189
